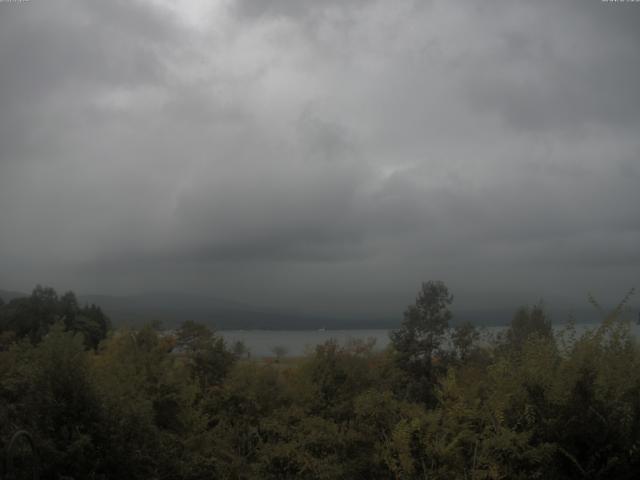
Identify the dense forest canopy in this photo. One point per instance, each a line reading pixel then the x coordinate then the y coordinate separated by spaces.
pixel 144 404
pixel 31 317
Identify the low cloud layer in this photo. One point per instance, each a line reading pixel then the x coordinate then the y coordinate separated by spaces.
pixel 323 156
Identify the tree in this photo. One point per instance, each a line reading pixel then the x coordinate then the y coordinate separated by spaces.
pixel 463 338
pixel 208 357
pixel 420 336
pixel 68 308
pixel 90 321
pixel 528 321
pixel 32 317
pixel 61 407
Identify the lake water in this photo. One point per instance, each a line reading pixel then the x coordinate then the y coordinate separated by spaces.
pixel 298 342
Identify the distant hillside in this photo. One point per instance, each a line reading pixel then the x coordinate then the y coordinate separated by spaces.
pixel 172 308
pixel 8 295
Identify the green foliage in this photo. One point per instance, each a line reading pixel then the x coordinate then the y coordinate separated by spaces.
pixel 528 321
pixel 159 405
pixel 206 354
pixel 48 390
pixel 32 317
pixel 420 337
pixel 463 338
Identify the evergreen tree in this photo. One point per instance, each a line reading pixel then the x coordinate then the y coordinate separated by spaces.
pixel 419 338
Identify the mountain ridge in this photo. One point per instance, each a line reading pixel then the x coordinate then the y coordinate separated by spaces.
pixel 172 308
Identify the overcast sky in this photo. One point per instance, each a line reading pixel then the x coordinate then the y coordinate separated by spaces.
pixel 321 155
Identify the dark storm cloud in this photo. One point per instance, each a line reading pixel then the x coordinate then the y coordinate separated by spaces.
pixel 272 150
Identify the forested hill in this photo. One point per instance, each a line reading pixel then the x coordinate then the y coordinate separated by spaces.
pixel 171 308
pixel 8 295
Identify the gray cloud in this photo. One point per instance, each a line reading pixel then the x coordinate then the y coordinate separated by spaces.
pixel 327 156
pixel 582 70
pixel 253 9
